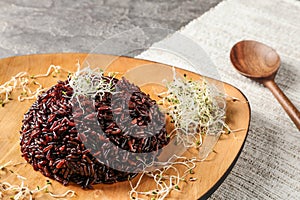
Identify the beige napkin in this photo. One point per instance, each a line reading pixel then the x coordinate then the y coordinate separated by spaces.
pixel 269 166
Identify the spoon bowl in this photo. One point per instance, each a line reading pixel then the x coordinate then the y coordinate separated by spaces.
pixel 254 59
pixel 261 63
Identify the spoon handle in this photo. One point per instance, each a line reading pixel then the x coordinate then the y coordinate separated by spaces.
pixel 287 105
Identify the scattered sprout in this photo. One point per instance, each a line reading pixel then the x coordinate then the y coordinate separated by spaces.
pixel 48 182
pixel 193 179
pixel 23 81
pixel 167 179
pixel 18 192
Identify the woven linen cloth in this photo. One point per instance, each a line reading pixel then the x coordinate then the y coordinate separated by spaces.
pixel 269 165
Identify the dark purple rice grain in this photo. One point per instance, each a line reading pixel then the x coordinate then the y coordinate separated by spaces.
pixel 51 143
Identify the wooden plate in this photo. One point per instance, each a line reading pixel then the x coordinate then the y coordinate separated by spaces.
pixel 210 173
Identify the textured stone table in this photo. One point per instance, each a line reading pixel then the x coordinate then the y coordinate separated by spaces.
pixel 44 26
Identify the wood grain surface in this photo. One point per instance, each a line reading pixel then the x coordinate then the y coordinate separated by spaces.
pixel 210 173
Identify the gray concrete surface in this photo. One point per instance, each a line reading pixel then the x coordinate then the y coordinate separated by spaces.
pixel 43 26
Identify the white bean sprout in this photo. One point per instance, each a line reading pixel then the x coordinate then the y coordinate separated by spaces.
pixel 22 191
pixel 23 81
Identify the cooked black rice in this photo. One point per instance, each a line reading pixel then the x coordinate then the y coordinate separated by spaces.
pixel 65 143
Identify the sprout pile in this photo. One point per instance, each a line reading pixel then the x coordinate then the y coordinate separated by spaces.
pixel 91 83
pixel 195 107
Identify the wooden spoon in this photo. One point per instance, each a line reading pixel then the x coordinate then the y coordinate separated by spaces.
pixel 261 63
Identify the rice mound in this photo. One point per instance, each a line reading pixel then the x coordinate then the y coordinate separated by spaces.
pixel 70 144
